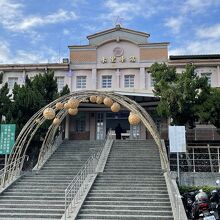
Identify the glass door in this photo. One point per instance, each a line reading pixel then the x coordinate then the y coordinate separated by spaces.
pixel 100 126
pixel 135 131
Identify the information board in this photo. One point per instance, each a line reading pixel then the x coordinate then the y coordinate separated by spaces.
pixel 177 138
pixel 7 138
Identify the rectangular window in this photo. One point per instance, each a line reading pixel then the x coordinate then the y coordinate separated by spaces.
pixel 129 81
pixel 208 76
pixel 81 122
pixel 152 81
pixel 11 82
pixel 81 82
pixel 106 81
pixel 60 82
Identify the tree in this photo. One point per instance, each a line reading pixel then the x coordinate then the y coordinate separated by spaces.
pixel 209 112
pixel 181 95
pixel 46 84
pixel 27 100
pixel 5 101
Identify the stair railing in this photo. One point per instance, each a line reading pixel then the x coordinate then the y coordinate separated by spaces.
pixel 173 191
pixel 76 188
pixel 48 150
pixel 11 172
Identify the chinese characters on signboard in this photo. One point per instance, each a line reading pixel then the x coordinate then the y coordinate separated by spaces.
pixel 7 138
pixel 121 59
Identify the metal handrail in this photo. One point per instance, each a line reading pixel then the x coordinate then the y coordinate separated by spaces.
pixel 11 171
pixel 48 151
pixel 175 198
pixel 76 187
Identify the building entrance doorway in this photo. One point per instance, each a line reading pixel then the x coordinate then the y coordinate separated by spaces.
pixel 113 119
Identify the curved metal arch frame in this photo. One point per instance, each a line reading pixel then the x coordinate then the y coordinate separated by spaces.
pixel 24 138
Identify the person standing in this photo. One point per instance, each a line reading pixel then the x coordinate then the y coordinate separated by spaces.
pixel 118 131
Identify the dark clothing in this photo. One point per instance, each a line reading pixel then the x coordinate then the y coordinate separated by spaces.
pixel 118 131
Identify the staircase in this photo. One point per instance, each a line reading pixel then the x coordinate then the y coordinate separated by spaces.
pixel 41 195
pixel 132 185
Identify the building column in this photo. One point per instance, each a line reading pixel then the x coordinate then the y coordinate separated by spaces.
pixel 142 78
pixel 218 76
pixel 118 81
pixel 68 80
pixel 67 127
pixel 94 78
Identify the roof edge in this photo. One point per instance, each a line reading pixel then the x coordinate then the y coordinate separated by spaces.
pixel 118 27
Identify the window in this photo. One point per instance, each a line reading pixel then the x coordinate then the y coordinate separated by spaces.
pixel 81 122
pixel 208 76
pixel 106 81
pixel 129 81
pixel 152 81
pixel 60 82
pixel 81 82
pixel 11 82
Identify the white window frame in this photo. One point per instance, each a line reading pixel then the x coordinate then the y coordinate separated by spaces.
pixel 11 82
pixel 106 81
pixel 129 81
pixel 152 81
pixel 81 82
pixel 209 77
pixel 60 82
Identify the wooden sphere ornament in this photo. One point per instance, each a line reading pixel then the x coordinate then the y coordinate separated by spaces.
pixel 56 121
pixel 73 111
pixel 93 98
pixel 59 105
pixel 115 107
pixel 66 105
pixel 73 103
pixel 99 99
pixel 134 119
pixel 108 102
pixel 49 113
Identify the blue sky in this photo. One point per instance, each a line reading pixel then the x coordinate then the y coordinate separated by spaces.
pixel 36 31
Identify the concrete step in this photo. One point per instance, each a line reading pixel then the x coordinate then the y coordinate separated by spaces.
pixel 126 207
pixel 7 215
pixel 131 212
pixel 129 203
pixel 128 195
pixel 31 210
pixel 126 217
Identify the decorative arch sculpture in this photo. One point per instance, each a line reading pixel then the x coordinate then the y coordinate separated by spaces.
pixel 24 138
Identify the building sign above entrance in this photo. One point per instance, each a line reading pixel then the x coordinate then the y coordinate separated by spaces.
pixel 121 59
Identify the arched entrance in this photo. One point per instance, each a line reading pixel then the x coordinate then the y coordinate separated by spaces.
pixel 24 138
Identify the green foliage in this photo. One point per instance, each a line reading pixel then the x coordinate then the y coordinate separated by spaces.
pixel 210 108
pixel 64 91
pixel 180 94
pixel 47 85
pixel 5 102
pixel 27 100
pixel 206 189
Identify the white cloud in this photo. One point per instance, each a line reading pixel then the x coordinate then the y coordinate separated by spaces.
pixel 41 55
pixel 13 18
pixel 198 6
pixel 197 47
pixel 175 23
pixel 129 9
pixel 4 51
pixel 209 32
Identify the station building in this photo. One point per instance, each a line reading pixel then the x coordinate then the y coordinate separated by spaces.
pixel 118 60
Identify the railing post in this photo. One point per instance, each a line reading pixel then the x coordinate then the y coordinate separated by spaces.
pixel 194 168
pixel 218 160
